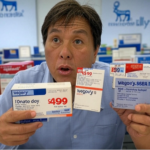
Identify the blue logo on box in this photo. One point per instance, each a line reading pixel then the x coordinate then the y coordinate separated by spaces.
pixel 11 53
pixel 30 92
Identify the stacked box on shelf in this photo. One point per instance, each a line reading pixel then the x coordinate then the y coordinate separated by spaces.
pixel 144 59
pixel 5 79
pixel 11 53
pixel 8 70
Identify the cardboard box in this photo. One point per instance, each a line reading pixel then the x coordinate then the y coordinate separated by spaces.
pixel 4 80
pixel 14 67
pixel 47 99
pixel 131 84
pixel 89 88
pixel 11 53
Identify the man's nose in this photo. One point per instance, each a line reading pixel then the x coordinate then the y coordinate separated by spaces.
pixel 66 52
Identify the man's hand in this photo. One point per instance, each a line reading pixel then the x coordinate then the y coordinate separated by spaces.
pixel 13 134
pixel 138 124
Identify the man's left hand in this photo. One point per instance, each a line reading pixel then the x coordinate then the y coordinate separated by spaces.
pixel 137 122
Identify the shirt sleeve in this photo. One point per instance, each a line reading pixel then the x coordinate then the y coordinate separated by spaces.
pixel 7 147
pixel 6 104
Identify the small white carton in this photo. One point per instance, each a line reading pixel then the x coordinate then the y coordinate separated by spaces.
pixel 89 87
pixel 131 84
pixel 47 99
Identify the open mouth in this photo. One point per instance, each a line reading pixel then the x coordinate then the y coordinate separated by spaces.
pixel 64 69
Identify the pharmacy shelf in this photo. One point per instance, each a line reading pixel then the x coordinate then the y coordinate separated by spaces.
pixel 104 58
pixel 37 60
pixel 24 59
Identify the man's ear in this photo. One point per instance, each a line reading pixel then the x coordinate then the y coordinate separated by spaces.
pixel 95 53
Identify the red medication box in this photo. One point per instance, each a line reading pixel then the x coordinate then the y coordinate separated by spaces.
pixel 14 67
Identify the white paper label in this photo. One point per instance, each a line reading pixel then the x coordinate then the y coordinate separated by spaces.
pixel 89 87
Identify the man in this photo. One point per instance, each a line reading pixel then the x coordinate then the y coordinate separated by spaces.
pixel 71 36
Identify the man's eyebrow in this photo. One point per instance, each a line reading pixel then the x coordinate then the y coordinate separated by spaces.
pixel 80 31
pixel 54 30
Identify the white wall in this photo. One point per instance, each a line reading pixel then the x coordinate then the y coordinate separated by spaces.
pixel 43 7
pixel 18 30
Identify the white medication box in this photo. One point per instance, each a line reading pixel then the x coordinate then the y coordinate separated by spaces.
pixel 131 84
pixel 47 99
pixel 89 87
pixel 130 92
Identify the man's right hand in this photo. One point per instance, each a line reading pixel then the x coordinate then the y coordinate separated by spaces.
pixel 13 134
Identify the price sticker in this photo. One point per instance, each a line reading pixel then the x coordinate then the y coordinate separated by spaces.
pixel 117 70
pixel 58 101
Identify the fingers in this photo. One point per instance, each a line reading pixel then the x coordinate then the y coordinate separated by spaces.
pixel 15 129
pixel 140 122
pixel 143 108
pixel 111 104
pixel 7 122
pixel 14 116
pixel 12 143
pixel 120 112
pixel 140 119
pixel 18 138
pixel 140 129
pixel 17 134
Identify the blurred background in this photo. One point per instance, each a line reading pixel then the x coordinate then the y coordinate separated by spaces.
pixel 126 24
pixel 125 36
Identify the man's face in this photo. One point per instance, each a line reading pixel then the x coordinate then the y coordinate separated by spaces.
pixel 68 48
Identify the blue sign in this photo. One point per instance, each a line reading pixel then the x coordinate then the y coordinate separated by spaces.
pixel 119 13
pixel 144 60
pixel 9 9
pixel 11 53
pixel 123 18
pixel 13 4
pixel 106 59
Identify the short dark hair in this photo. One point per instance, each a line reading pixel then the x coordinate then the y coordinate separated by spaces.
pixel 70 9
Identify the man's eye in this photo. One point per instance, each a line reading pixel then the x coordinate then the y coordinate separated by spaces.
pixel 56 40
pixel 78 41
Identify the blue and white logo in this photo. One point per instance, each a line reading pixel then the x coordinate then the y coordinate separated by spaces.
pixel 9 9
pixel 132 83
pixel 123 18
pixel 12 4
pixel 16 93
pixel 120 13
